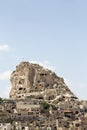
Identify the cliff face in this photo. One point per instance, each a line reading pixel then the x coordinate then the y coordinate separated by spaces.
pixel 33 80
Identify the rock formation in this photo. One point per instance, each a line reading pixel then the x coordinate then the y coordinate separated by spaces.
pixel 41 99
pixel 33 80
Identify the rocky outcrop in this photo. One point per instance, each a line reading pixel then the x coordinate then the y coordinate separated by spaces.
pixel 37 82
pixel 40 98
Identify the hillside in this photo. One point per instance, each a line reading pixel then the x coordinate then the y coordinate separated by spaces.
pixel 41 98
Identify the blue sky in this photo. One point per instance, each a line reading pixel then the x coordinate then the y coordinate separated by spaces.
pixel 50 32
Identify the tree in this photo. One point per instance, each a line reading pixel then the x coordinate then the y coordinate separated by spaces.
pixel 45 105
pixel 1 100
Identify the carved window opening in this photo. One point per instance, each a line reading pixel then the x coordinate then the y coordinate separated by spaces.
pixel 43 74
pixel 20 88
pixel 40 97
pixel 47 85
pixel 21 81
pixel 19 114
pixel 24 89
pixel 76 112
pixel 23 128
pixel 38 81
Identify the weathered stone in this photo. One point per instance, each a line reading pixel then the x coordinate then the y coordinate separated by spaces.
pixel 33 80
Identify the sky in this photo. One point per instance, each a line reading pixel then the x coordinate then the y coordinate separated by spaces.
pixel 50 32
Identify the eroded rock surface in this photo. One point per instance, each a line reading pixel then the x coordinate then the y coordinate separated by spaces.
pixel 33 80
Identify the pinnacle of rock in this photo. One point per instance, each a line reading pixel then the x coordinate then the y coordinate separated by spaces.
pixel 34 80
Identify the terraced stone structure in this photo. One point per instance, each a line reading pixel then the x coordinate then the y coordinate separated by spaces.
pixel 39 99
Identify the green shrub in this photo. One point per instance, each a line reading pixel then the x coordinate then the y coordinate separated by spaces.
pixel 45 105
